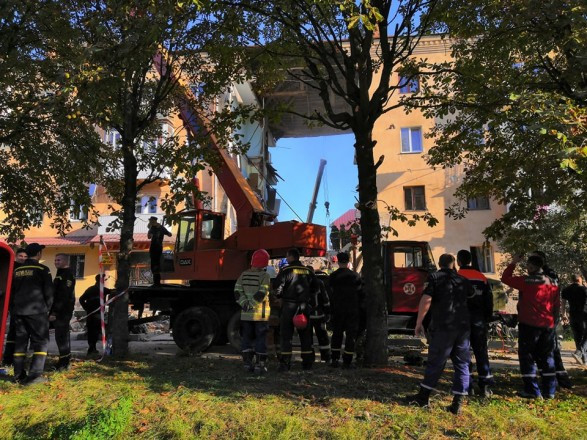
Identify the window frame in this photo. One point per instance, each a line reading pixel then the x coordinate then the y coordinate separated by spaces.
pixel 74 265
pixel 410 144
pixel 477 207
pixel 413 199
pixel 407 87
pixel 486 254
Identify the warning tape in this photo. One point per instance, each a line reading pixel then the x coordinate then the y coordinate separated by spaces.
pixel 109 301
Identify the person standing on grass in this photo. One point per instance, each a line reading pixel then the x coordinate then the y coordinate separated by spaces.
pixel 62 310
pixel 294 286
pixel 252 294
pixel 538 307
pixel 480 305
pixel 346 288
pixel 8 356
pixel 445 296
pixel 90 301
pixel 33 297
pixel 575 295
pixel 320 314
pixel 156 234
pixel 562 376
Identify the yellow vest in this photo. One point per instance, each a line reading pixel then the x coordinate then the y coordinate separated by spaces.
pixel 248 284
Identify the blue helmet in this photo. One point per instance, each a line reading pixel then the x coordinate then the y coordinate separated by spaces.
pixel 283 263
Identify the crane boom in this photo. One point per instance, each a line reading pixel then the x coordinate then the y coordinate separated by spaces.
pixel 316 189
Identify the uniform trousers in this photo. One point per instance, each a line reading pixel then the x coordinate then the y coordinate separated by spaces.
pixel 344 324
pixel 62 336
pixel 286 330
pixel 319 326
pixel 33 328
pixel 479 346
pixel 444 344
pixel 536 347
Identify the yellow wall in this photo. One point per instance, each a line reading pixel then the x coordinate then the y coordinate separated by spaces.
pixel 410 169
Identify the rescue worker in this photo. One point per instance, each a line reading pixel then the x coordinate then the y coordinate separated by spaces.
pixel 274 337
pixel 156 234
pixel 480 305
pixel 575 295
pixel 251 292
pixel 20 257
pixel 538 306
pixel 62 310
pixel 445 296
pixel 320 314
pixel 90 301
pixel 294 285
pixel 33 298
pixel 562 376
pixel 346 289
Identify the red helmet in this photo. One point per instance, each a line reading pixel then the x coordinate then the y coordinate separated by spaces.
pixel 300 321
pixel 260 258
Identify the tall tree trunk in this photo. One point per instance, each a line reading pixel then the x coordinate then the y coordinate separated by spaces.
pixel 120 316
pixel 376 346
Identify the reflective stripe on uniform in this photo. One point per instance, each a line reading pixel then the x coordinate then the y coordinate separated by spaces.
pixel 286 352
pixel 427 387
pixel 65 356
pixel 306 352
pixel 528 375
pixel 549 374
pixel 40 353
pixel 460 394
pixel 336 349
pixel 349 352
pixel 489 376
pixel 10 342
pixel 324 347
pixel 19 354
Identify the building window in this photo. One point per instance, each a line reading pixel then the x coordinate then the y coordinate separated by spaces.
pixel 77 263
pixel 35 215
pixel 415 198
pixel 478 203
pixel 411 139
pixel 112 138
pixel 78 213
pixel 408 85
pixel 146 205
pixel 483 258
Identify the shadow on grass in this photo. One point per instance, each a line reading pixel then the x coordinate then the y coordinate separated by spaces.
pixel 225 378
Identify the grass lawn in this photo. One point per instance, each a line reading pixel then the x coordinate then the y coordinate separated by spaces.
pixel 155 397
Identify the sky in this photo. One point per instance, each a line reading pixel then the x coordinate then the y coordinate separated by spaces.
pixel 297 161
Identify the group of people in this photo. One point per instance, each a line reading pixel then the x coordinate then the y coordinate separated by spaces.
pixel 459 304
pixel 38 302
pixel 307 301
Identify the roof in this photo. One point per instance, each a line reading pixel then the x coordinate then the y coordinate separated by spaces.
pixel 60 241
pixel 348 217
pixel 137 237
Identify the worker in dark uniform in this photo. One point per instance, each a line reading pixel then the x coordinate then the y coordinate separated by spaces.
pixel 156 234
pixel 33 298
pixel 294 285
pixel 538 308
pixel 562 376
pixel 62 310
pixel 320 314
pixel 480 311
pixel 445 296
pixel 346 294
pixel 90 301
pixel 8 356
pixel 575 295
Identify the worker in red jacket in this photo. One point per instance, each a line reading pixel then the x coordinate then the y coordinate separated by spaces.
pixel 538 308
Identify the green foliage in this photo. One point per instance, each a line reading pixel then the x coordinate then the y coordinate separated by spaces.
pixel 511 105
pixel 50 152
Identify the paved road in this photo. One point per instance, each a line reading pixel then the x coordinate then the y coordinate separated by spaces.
pixel 163 345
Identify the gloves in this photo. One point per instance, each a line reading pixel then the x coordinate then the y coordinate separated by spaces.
pixel 246 306
pixel 259 296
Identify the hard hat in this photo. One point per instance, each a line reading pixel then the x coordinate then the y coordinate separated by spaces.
pixel 300 321
pixel 260 258
pixel 282 263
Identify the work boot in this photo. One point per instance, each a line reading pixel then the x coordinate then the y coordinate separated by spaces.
pixel 62 364
pixel 92 351
pixel 261 364
pixel 34 380
pixel 471 391
pixel 21 378
pixel 457 404
pixel 325 355
pixel 564 381
pixel 248 361
pixel 486 391
pixel 334 363
pixel 422 399
pixel 527 395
